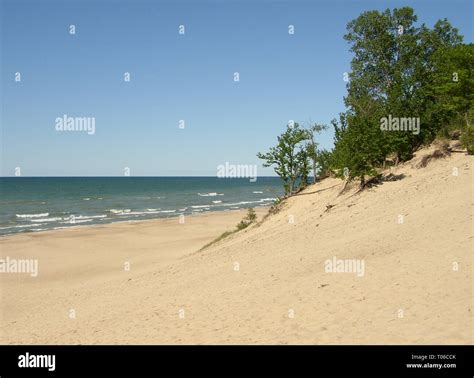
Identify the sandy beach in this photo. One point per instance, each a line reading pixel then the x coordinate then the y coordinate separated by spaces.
pixel 266 284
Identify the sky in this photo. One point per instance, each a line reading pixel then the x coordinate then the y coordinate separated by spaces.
pixel 174 77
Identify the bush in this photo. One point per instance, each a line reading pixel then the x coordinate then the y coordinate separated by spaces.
pixel 248 220
pixel 467 140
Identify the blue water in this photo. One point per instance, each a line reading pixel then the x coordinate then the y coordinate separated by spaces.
pixel 29 204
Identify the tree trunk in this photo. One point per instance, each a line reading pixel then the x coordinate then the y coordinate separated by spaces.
pixel 397 158
pixel 344 187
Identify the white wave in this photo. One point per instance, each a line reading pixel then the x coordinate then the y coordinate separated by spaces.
pixel 152 209
pixel 140 213
pixel 77 221
pixel 238 203
pixel 257 192
pixel 199 206
pixel 216 201
pixel 19 226
pixel 43 220
pixel 119 211
pixel 86 199
pixel 183 209
pixel 232 205
pixel 147 212
pixel 40 215
pixel 249 202
pixel 90 216
pixel 212 194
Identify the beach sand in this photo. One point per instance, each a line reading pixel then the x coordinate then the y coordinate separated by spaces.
pixel 266 284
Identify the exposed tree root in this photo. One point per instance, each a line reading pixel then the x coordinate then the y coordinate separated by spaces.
pixel 437 154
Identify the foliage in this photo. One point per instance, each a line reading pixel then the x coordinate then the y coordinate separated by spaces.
pixel 359 148
pixel 289 157
pixel 453 87
pixel 248 220
pixel 399 70
pixel 467 140
pixel 314 154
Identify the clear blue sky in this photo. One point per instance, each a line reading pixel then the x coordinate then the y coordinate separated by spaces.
pixel 174 77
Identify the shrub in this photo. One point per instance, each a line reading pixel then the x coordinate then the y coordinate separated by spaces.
pixel 248 220
pixel 467 140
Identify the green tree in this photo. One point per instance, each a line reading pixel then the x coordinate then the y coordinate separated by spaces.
pixel 392 70
pixel 324 163
pixel 359 147
pixel 452 87
pixel 289 157
pixel 382 80
pixel 312 147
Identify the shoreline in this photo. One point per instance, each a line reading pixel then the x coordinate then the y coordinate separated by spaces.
pixel 131 221
pixel 75 266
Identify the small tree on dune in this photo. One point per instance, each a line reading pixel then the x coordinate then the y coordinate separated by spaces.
pixel 289 157
pixel 312 147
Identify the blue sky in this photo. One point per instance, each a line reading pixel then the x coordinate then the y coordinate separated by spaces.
pixel 173 77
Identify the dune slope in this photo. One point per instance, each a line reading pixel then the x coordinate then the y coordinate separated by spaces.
pixel 268 284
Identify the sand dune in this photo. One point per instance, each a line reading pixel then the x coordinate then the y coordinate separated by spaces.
pixel 266 284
